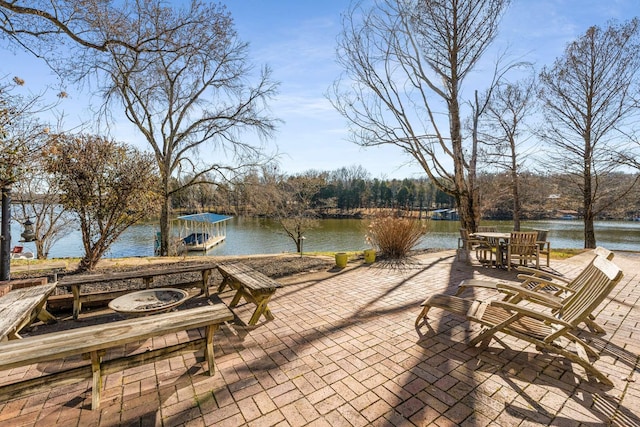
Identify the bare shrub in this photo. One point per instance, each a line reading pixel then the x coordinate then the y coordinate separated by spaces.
pixel 394 237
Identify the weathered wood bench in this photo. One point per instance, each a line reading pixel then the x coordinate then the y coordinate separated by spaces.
pixel 22 304
pixel 147 275
pixel 249 284
pixel 93 342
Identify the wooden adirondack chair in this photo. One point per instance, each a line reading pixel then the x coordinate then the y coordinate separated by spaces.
pixel 543 287
pixel 538 327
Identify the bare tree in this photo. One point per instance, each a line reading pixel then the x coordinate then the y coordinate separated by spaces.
pixel 38 200
pixel 187 92
pixel 590 96
pixel 21 169
pixel 109 186
pixel 296 211
pixel 402 61
pixel 510 104
pixel 21 133
pixel 21 137
pixel 262 190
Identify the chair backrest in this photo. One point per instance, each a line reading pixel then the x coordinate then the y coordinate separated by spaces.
pixel 584 276
pixel 542 237
pixel 600 277
pixel 523 242
pixel 487 229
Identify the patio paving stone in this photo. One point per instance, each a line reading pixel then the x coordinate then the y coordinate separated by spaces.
pixel 343 351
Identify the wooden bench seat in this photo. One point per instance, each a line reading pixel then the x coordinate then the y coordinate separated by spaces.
pixel 93 342
pixel 249 284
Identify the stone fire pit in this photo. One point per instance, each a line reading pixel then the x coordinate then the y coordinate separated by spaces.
pixel 149 301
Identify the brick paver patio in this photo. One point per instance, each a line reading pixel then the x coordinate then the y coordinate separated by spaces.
pixel 343 351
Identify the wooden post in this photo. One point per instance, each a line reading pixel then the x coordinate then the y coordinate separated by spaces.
pixel 5 231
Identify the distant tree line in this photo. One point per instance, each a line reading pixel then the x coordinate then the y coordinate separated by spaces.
pixel 351 192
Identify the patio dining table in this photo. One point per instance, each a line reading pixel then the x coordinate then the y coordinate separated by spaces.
pixel 495 240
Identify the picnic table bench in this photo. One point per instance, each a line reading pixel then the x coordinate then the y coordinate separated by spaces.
pixel 147 275
pixel 249 284
pixel 93 342
pixel 22 304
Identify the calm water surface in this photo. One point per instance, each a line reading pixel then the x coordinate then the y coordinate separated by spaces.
pixel 248 236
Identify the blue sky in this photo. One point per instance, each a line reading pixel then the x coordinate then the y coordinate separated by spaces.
pixel 296 38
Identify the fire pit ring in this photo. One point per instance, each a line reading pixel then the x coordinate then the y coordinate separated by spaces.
pixel 149 301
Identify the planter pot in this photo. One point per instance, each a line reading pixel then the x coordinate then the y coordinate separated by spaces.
pixel 341 259
pixel 369 256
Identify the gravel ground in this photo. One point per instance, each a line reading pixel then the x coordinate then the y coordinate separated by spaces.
pixel 273 266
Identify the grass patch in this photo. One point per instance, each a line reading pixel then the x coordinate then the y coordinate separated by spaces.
pixel 565 253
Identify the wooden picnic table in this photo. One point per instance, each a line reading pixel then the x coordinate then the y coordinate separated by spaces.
pixel 21 306
pixel 76 282
pixel 249 284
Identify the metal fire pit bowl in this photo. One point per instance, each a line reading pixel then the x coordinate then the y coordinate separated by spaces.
pixel 149 301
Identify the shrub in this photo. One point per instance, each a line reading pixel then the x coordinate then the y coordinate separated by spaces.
pixel 394 236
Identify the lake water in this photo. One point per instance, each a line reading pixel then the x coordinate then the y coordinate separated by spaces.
pixel 248 236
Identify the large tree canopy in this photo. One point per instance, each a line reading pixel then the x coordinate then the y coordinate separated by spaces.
pixel 40 26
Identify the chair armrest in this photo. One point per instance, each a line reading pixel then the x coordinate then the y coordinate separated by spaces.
pixel 543 243
pixel 530 313
pixel 542 274
pixel 540 282
pixel 529 295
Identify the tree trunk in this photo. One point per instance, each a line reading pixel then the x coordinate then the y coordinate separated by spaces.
pixel 516 193
pixel 5 240
pixel 516 208
pixel 164 226
pixel 589 232
pixel 587 198
pixel 93 252
pixel 40 249
pixel 89 262
pixel 464 195
pixel 298 239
